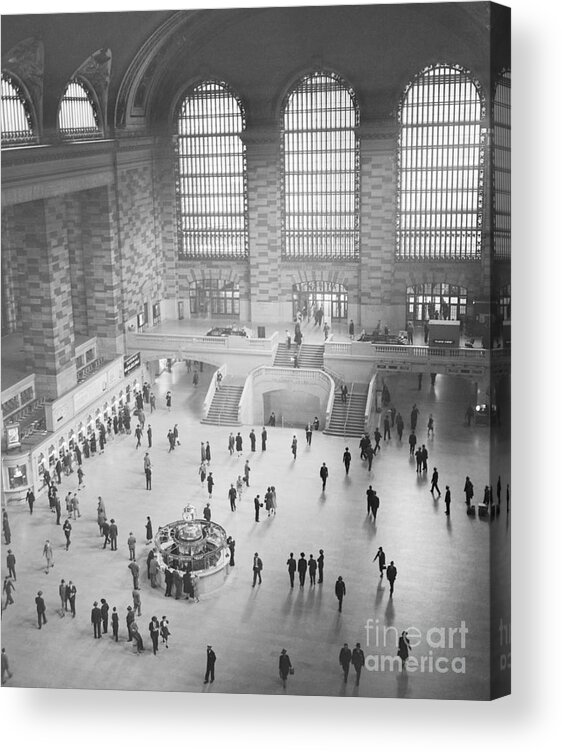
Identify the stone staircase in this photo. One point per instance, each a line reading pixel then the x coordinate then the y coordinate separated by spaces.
pixel 309 356
pixel 348 419
pixel 224 407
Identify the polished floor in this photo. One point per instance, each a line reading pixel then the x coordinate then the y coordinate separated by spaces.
pixel 442 562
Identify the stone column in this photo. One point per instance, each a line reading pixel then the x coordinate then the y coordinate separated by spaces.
pixel 46 308
pixel 262 153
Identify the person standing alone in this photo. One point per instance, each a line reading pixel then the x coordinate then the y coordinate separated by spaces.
pixel 210 670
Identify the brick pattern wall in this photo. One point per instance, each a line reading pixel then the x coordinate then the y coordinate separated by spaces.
pixel 101 270
pixel 78 279
pixel 141 259
pixel 11 278
pixel 48 330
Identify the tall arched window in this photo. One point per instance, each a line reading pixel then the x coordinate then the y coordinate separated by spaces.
pixel 17 120
pixel 212 208
pixel 320 151
pixel 501 134
pixel 78 116
pixel 440 167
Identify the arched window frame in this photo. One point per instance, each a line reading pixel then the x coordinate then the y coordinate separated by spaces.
pixel 87 106
pixel 435 239
pixel 501 166
pixel 305 231
pixel 211 224
pixel 22 109
pixel 425 301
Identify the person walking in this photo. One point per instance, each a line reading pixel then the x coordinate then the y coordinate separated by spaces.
pixel 414 417
pixel 358 660
pixel 115 624
pixel 153 570
pixel 375 503
pixel 294 447
pixel 391 576
pixel 169 400
pixel 148 471
pixel 291 568
pixel 208 453
pixel 320 562
pixel 340 591
pixel 247 473
pixel 131 543
pixel 30 498
pixel 263 439
pixel 345 660
pixel 176 433
pixel 381 556
pixel 62 596
pixel 424 457
pixel 430 426
pixel 351 330
pixel 149 435
pixel 232 497
pixel 154 629
pixel 165 630
pixel 399 426
pixel 412 441
pixel 302 568
pixel 49 556
pixel 138 434
pixel 95 620
pixel 104 608
pixel 11 564
pixel 347 460
pixel 239 487
pixel 207 511
pixel 257 567
pixel 312 567
pixel 202 472
pixel 210 669
pixel 434 482
pixel 148 527
pixel 447 500
pixel 7 588
pixel 308 434
pixel 324 475
pixel 5 666
pixel 285 667
pixel 252 440
pixel 404 648
pixel 386 427
pixel 239 443
pixel 41 608
pixel 377 437
pixel 71 596
pixel 210 484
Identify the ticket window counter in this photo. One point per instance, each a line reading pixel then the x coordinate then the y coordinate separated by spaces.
pixel 16 472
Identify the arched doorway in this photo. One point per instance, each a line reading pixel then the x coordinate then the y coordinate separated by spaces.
pixel 435 301
pixel 331 296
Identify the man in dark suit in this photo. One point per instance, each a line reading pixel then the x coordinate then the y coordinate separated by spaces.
pixel 129 621
pixel 447 500
pixel 391 576
pixel 320 562
pixel 324 475
pixel 347 460
pixel 263 439
pixel 104 614
pixel 40 603
pixel 257 567
pixel 345 660
pixel 358 660
pixel 211 660
pixel 340 591
pixel 302 566
pixel 291 566
pixel 95 619
pixel 113 535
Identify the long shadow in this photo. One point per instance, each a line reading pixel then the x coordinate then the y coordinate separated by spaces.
pixel 402 684
pixel 389 612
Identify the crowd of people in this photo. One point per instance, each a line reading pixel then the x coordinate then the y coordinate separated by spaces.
pixel 186 586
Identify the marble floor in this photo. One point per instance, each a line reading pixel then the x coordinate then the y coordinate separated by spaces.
pixel 442 562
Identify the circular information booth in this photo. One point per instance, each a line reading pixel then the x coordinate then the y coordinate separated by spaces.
pixel 194 545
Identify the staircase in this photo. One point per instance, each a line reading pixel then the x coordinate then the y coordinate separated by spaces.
pixel 224 407
pixel 348 419
pixel 309 356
